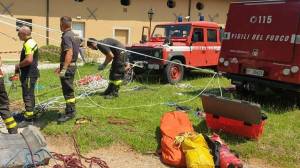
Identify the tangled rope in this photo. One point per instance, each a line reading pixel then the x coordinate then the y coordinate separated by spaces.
pixel 74 160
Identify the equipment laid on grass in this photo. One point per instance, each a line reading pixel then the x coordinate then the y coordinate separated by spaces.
pixel 197 153
pixel 173 124
pixel 233 116
pixel 28 149
pixel 226 158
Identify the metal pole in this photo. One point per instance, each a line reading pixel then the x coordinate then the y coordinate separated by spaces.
pixel 47 21
pixel 150 28
pixel 189 9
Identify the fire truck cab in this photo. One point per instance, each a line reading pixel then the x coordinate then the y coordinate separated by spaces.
pixel 194 44
pixel 261 45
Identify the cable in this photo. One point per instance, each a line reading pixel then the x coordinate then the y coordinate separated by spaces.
pixel 149 105
pixel 122 49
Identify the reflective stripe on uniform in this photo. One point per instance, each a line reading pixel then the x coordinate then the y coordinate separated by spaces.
pixel 28 114
pixel 71 100
pixel 116 82
pixel 12 125
pixel 10 119
pixel 30 46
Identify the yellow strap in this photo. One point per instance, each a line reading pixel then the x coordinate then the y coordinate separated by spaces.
pixel 117 82
pixel 28 113
pixel 13 125
pixel 71 100
pixel 8 120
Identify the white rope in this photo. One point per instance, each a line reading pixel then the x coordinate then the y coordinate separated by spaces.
pixel 122 49
pixel 129 107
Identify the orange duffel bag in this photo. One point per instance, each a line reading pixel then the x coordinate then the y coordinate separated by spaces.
pixel 173 124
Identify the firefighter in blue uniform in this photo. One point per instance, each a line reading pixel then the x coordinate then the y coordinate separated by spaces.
pixel 27 68
pixel 118 58
pixel 5 114
pixel 69 53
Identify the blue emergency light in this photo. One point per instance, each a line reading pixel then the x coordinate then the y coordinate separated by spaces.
pixel 180 18
pixel 201 18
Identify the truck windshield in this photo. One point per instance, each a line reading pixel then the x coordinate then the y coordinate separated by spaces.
pixel 174 31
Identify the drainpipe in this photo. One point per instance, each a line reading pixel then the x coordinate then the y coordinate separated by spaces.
pixel 189 10
pixel 47 21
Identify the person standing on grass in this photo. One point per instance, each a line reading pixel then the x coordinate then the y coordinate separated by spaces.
pixel 8 119
pixel 69 54
pixel 28 71
pixel 118 58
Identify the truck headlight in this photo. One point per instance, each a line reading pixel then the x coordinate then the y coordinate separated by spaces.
pixel 221 60
pixel 226 63
pixel 234 61
pixel 286 72
pixel 295 69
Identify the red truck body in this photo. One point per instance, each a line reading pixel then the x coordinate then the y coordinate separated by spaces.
pixel 261 44
pixel 190 43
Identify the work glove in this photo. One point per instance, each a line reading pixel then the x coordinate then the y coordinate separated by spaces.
pixel 101 67
pixel 62 73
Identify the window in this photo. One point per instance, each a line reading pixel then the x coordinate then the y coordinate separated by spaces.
pixel 20 23
pixel 174 31
pixel 198 35
pixel 212 35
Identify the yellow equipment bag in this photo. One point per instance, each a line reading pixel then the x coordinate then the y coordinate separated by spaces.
pixel 197 152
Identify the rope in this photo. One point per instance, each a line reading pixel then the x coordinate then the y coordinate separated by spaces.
pixel 130 107
pixel 97 42
pixel 74 160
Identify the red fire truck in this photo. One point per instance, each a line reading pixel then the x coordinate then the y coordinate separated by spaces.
pixel 186 43
pixel 261 45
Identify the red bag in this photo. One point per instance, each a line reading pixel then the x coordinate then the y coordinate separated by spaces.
pixel 171 125
pixel 227 158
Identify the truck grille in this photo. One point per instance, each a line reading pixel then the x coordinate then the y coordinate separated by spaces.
pixel 148 51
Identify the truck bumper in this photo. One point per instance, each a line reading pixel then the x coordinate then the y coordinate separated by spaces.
pixel 148 65
pixel 241 79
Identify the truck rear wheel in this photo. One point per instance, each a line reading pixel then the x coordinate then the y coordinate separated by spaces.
pixel 173 72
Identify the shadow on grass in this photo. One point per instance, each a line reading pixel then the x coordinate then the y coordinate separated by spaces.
pixel 158 137
pixel 152 77
pixel 213 91
pixel 196 74
pixel 273 103
pixel 47 117
pixel 149 78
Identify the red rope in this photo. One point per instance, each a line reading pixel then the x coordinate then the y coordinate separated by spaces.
pixel 74 160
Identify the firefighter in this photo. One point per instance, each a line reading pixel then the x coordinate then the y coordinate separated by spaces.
pixel 28 71
pixel 69 54
pixel 118 58
pixel 6 116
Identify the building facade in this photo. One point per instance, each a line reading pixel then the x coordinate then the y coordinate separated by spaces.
pixel 96 18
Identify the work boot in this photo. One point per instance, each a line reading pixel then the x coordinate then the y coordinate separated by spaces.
pixel 111 96
pixel 108 90
pixel 25 123
pixel 114 93
pixel 65 117
pixel 13 130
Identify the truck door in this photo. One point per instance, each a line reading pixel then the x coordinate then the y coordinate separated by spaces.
pixel 213 47
pixel 198 49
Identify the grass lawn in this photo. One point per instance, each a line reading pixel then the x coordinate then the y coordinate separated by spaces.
pixel 279 146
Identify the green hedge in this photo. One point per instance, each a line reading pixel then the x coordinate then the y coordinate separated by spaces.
pixel 49 53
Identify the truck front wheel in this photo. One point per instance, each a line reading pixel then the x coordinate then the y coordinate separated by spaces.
pixel 174 72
